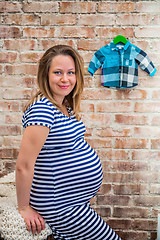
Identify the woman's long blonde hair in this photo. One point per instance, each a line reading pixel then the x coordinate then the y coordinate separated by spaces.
pixel 73 99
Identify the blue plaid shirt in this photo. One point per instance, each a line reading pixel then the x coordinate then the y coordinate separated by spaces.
pixel 119 65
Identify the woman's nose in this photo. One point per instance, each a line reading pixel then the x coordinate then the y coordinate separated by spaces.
pixel 64 77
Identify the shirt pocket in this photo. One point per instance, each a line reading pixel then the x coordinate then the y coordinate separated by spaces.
pixel 128 62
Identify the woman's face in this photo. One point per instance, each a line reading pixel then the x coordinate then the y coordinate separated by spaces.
pixel 62 76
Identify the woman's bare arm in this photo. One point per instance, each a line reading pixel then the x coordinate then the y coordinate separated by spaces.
pixel 33 139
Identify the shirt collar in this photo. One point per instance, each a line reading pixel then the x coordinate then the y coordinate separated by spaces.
pixel 113 46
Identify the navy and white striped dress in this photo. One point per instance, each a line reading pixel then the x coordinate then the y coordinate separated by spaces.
pixel 67 175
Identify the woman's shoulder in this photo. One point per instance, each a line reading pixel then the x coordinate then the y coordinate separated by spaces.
pixel 41 104
pixel 40 112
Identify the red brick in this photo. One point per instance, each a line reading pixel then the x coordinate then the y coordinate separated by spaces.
pixel 145 177
pixel 13 118
pixel 12 141
pixel 146 201
pixel 21 69
pixel 134 19
pixel 130 94
pixel 96 20
pixel 36 6
pixel 87 57
pixel 8 7
pixel 1 69
pixel 147 32
pixel 10 165
pixel 153 235
pixel 75 32
pixel 114 200
pixel 111 33
pixel 156 120
pixel 77 7
pixel 156 57
pixel 155 94
pixel 66 19
pixel 8 82
pixel 98 143
pixel 119 223
pixel 103 211
pixel 116 177
pixel 105 189
pixel 130 189
pixel 114 107
pixel 89 132
pixel 6 130
pixel 10 32
pixel 145 155
pixel 156 45
pixel 120 154
pixel 115 7
pixel 111 132
pixel 114 154
pixel 38 32
pixel 131 143
pixel 131 119
pixel 130 212
pixel 29 82
pixel 92 45
pixel 154 188
pixel 87 107
pixel 143 44
pixel 96 120
pixel 157 19
pixel 149 131
pixel 96 94
pixel 21 19
pixel 147 7
pixel 20 44
pixel 9 57
pixel 7 153
pixel 88 82
pixel 130 166
pixel 145 225
pixel 106 164
pixel 133 235
pixel 155 143
pixel 144 83
pixel 104 154
pixel 47 43
pixel 11 94
pixel 32 57
pixel 147 107
pixel 12 106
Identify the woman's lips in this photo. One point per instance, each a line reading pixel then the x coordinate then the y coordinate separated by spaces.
pixel 64 87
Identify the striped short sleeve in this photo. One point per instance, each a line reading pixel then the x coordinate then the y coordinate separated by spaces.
pixel 40 113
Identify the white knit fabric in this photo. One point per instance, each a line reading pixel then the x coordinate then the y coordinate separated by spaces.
pixel 12 225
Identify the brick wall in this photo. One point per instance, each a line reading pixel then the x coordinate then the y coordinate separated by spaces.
pixel 122 125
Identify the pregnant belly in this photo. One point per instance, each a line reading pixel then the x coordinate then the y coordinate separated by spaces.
pixel 76 176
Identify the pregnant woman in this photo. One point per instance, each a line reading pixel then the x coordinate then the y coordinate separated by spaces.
pixel 57 172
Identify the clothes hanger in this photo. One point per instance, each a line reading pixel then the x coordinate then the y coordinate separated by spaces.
pixel 121 39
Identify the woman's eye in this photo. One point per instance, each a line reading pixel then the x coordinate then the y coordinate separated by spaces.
pixel 71 73
pixel 57 72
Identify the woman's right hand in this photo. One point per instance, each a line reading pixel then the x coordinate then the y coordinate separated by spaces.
pixel 33 219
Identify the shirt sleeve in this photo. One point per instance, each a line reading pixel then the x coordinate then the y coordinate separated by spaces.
pixel 39 114
pixel 96 62
pixel 145 63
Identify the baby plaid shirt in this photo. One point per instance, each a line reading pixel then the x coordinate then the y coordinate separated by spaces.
pixel 119 65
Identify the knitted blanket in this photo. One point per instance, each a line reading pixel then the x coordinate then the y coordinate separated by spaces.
pixel 12 225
